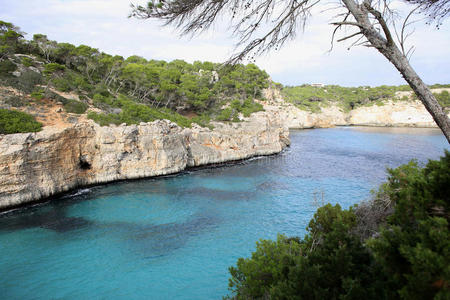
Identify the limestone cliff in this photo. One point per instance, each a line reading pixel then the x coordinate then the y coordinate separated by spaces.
pixel 37 165
pixel 398 113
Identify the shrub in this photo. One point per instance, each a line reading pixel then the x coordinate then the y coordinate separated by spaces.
pixel 26 61
pixel 105 119
pixel 102 90
pixel 249 107
pixel 15 101
pixel 134 113
pixel 12 121
pixel 414 247
pixel 104 102
pixel 54 96
pixel 62 84
pixel 203 120
pixel 38 95
pixel 443 98
pixel 329 263
pixel 74 106
pixel 53 68
pixel 7 66
pixel 225 114
pixel 396 247
pixel 28 80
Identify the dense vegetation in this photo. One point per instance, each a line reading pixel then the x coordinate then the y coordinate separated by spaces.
pixel 312 98
pixel 129 90
pixel 12 121
pixel 396 246
pixel 444 99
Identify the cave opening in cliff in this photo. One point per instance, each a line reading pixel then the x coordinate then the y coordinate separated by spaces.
pixel 84 163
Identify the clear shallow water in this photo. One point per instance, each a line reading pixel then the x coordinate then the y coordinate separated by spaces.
pixel 175 237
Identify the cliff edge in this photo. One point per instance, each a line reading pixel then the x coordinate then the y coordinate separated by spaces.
pixel 390 113
pixel 34 166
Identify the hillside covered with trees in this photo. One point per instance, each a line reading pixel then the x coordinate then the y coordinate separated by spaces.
pixel 125 90
pixel 313 97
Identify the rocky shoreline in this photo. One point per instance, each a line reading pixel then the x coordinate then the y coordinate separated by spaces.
pixel 390 113
pixel 35 166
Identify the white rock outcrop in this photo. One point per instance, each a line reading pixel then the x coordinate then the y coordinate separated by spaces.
pixel 391 113
pixel 34 166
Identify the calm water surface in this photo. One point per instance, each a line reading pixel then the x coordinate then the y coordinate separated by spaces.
pixel 175 237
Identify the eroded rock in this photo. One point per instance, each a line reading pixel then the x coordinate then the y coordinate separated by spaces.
pixel 34 166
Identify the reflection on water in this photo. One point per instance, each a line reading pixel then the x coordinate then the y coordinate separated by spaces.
pixel 175 237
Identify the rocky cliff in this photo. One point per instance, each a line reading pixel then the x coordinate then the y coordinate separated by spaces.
pixel 37 165
pixel 398 113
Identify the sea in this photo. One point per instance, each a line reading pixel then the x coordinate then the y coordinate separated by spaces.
pixel 175 237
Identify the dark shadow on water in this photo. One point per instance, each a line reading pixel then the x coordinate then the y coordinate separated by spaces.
pixel 148 240
pixel 153 241
pixel 384 158
pixel 53 218
pixel 220 195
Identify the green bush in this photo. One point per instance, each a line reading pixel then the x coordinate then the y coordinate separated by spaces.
pixel 25 83
pixel 443 98
pixel 7 66
pixel 28 81
pixel 15 101
pixel 406 254
pixel 103 102
pixel 225 114
pixel 105 119
pixel 74 106
pixel 203 120
pixel 414 247
pixel 249 107
pixel 246 107
pixel 54 96
pixel 329 263
pixel 26 61
pixel 38 95
pixel 437 86
pixel 12 121
pixel 134 113
pixel 62 84
pixel 52 68
pixel 102 90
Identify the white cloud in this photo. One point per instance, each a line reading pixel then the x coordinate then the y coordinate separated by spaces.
pixel 104 24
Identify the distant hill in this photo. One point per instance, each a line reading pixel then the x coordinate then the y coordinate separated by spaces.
pixel 312 97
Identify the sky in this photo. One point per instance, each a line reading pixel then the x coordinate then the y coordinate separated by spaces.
pixel 103 24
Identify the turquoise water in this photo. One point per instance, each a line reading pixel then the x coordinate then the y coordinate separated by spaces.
pixel 174 237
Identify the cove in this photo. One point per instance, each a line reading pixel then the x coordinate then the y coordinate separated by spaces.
pixel 174 237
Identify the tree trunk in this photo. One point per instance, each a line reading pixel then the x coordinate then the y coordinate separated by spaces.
pixel 386 46
pixel 422 91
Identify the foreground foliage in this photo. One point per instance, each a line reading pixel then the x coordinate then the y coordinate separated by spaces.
pixel 12 121
pixel 395 247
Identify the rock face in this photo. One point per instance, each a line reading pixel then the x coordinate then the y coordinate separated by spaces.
pixel 37 165
pixel 392 113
